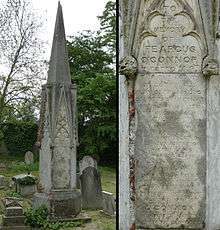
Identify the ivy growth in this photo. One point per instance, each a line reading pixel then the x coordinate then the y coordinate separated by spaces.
pixel 28 180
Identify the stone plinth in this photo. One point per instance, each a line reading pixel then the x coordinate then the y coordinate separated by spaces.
pixel 61 204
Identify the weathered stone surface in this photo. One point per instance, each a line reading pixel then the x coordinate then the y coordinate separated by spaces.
pixel 58 145
pixel 124 196
pixel 29 158
pixel 24 190
pixel 58 133
pixel 170 151
pixel 87 161
pixel 109 203
pixel 61 204
pixel 2 181
pixel 13 221
pixel 91 188
pixel 2 167
pixel 213 158
pixel 14 211
pixel 11 202
pixel 13 218
pixel 27 190
pixel 169 41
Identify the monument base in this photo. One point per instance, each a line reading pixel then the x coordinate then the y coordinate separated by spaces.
pixel 60 203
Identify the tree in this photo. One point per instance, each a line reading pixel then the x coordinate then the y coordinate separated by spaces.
pixel 20 55
pixel 91 57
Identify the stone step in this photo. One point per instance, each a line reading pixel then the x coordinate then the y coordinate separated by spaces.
pixel 23 227
pixel 13 220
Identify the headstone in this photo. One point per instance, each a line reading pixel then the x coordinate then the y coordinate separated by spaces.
pixel 91 188
pixel 58 132
pixel 3 167
pixel 172 142
pixel 29 158
pixel 13 217
pixel 2 181
pixel 87 161
pixel 109 203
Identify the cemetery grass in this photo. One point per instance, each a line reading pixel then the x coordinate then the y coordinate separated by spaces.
pixel 15 165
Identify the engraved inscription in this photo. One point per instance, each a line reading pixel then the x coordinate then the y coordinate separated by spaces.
pixel 169 42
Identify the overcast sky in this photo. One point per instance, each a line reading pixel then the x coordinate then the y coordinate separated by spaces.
pixel 78 15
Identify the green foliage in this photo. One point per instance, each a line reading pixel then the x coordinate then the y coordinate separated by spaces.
pixel 91 58
pixel 36 217
pixel 19 136
pixel 62 225
pixel 108 26
pixel 39 218
pixel 28 180
pixel 13 194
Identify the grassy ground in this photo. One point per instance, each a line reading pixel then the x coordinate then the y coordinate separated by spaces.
pixel 10 166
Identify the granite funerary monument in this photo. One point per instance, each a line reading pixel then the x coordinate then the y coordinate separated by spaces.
pixel 58 133
pixel 169 115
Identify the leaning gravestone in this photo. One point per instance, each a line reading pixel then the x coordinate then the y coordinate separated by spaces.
pixel 29 158
pixel 174 138
pixel 87 161
pixel 91 188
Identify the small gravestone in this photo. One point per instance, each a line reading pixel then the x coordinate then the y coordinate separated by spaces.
pixel 13 217
pixel 25 184
pixel 2 167
pixel 91 188
pixel 109 206
pixel 2 181
pixel 29 158
pixel 87 161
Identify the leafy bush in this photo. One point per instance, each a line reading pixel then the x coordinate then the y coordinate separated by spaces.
pixel 13 194
pixel 36 217
pixel 19 136
pixel 22 167
pixel 39 218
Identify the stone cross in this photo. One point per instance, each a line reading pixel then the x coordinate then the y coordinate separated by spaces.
pixel 169 161
pixel 59 139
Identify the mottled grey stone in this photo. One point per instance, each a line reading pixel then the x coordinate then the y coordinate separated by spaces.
pixel 61 204
pixel 14 217
pixel 91 188
pixel 2 181
pixel 29 158
pixel 59 133
pixel 125 218
pixel 87 161
pixel 27 190
pixel 109 203
pixel 14 211
pixel 24 190
pixel 174 42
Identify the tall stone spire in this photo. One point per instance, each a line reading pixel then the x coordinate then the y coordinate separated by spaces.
pixel 59 71
pixel 59 133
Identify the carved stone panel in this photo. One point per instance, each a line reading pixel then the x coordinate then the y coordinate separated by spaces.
pixel 61 152
pixel 169 41
pixel 170 100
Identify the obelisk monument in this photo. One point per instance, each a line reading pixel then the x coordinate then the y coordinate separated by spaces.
pixel 59 133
